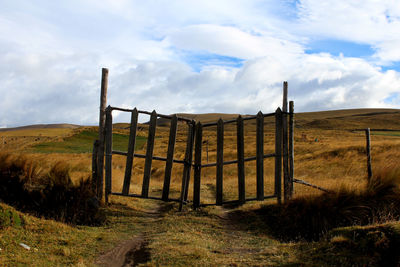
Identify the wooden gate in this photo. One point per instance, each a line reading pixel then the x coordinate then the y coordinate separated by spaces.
pixel 195 140
pixel 283 154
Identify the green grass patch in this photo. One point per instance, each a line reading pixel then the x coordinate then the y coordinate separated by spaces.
pixel 83 143
pixel 386 133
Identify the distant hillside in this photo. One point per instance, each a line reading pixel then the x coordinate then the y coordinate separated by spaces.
pixel 332 119
pixel 350 119
pixel 42 126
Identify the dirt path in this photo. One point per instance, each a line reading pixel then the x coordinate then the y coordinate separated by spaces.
pixel 128 253
pixel 134 251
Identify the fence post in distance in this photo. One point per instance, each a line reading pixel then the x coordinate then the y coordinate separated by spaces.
pixel 369 164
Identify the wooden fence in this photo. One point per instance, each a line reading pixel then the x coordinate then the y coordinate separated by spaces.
pixel 283 154
pixel 194 139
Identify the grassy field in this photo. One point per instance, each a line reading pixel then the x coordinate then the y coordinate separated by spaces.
pixel 327 153
pixel 82 142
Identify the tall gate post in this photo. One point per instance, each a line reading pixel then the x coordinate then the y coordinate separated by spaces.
pixel 278 154
pixel 286 179
pixel 102 120
pixel 291 147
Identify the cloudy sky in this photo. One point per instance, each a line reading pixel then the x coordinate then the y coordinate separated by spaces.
pixel 203 56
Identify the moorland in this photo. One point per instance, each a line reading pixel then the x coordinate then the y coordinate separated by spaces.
pixel 356 224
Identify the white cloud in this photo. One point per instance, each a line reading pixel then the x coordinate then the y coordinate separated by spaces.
pixel 52 56
pixel 230 41
pixel 371 22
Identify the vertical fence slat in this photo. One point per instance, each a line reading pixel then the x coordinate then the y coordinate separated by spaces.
pixel 170 157
pixel 369 165
pixel 260 156
pixel 131 151
pixel 220 162
pixel 149 154
pixel 188 164
pixel 102 120
pixel 192 132
pixel 95 174
pixel 240 157
pixel 197 165
pixel 286 184
pixel 278 154
pixel 108 165
pixel 291 146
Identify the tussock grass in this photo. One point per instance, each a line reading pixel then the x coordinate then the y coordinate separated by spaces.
pixel 52 194
pixel 310 217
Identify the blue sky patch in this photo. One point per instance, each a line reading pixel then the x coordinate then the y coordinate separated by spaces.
pixel 393 98
pixel 335 47
pixel 198 60
pixel 394 66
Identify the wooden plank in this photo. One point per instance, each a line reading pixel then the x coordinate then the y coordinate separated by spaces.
pixel 192 132
pixel 369 164
pixel 95 175
pixel 188 164
pixel 102 120
pixel 197 165
pixel 240 157
pixel 108 144
pixel 170 157
pixel 260 156
pixel 286 182
pixel 131 151
pixel 149 154
pixel 278 154
pixel 220 162
pixel 291 147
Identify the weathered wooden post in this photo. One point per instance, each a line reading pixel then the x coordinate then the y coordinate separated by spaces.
pixel 149 154
pixel 197 165
pixel 240 158
pixel 286 182
pixel 170 157
pixel 102 121
pixel 278 154
pixel 291 146
pixel 187 164
pixel 220 162
pixel 131 152
pixel 108 141
pixel 369 165
pixel 260 156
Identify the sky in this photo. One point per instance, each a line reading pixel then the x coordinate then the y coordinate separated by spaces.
pixel 228 56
